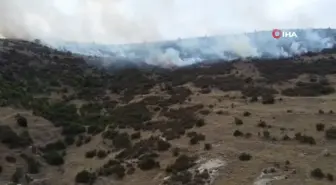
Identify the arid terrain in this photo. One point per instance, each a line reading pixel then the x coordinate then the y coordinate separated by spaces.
pixel 251 122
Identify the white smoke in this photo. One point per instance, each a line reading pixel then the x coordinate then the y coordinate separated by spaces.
pixel 130 21
pixel 125 21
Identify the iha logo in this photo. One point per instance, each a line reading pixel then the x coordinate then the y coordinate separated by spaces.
pixel 277 34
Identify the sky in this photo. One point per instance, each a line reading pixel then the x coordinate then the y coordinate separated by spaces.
pixel 128 21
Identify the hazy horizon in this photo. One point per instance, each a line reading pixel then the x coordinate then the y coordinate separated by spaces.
pixel 137 21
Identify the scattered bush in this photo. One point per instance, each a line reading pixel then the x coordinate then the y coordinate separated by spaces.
pixel 95 129
pixel 308 89
pixel 245 157
pixel 148 163
pixel 33 165
pixel 176 152
pixel 69 140
pixel 207 146
pixel 17 175
pixel 85 177
pixel 184 177
pixel 183 162
pixel 286 137
pixel 317 173
pixel 54 158
pixel 238 121
pixel 21 121
pixel 56 146
pixel 196 138
pixel 73 129
pixel 136 135
pixel 320 127
pixel 163 145
pixel 262 124
pixel 248 135
pixel 238 133
pixel 13 140
pixel 204 112
pixel 10 159
pixel 200 123
pixel 330 177
pixel 268 99
pixel 246 114
pixel 331 133
pixel 91 154
pixel 254 99
pixel 122 140
pixel 266 134
pixel 307 139
pixel 101 154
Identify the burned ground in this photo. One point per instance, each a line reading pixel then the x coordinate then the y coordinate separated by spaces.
pixel 64 121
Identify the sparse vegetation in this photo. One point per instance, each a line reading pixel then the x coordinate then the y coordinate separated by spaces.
pixel 136 135
pixel 320 127
pixel 84 100
pixel 207 146
pixel 308 89
pixel 54 158
pixel 183 162
pixel 238 121
pixel 238 133
pixel 317 173
pixel 85 177
pixel 330 177
pixel 21 121
pixel 331 133
pixel 33 165
pixel 268 99
pixel 245 157
pixel 91 154
pixel 148 163
pixel 246 114
pixel 13 140
pixel 10 159
pixel 101 154
pixel 176 152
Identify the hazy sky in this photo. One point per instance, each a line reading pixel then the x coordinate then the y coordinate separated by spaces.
pixel 122 21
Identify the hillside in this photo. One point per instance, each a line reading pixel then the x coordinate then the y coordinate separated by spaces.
pixel 190 50
pixel 64 122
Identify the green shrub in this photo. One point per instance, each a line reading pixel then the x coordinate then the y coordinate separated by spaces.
pixel 85 177
pixel 320 127
pixel 54 158
pixel 331 133
pixel 245 157
pixel 163 145
pixel 21 121
pixel 91 153
pixel 317 173
pixel 33 165
pixel 238 121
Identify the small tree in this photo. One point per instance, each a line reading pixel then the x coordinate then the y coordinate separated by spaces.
pixel 207 146
pixel 245 157
pixel 21 121
pixel 54 158
pixel 330 177
pixel 85 177
pixel 317 173
pixel 320 127
pixel 238 121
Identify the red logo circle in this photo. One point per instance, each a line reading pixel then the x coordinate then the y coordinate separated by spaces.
pixel 276 33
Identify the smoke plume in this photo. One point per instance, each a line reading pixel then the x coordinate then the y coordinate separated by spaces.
pixel 111 22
